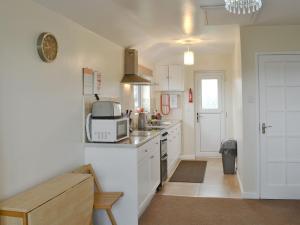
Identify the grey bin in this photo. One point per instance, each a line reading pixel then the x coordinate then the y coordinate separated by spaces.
pixel 228 150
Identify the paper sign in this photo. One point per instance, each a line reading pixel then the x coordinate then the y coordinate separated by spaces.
pixel 173 102
pixel 88 81
pixel 97 82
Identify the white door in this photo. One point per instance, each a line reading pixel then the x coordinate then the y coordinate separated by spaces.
pixel 279 88
pixel 210 122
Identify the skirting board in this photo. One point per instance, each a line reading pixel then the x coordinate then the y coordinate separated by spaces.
pixel 208 155
pixel 187 157
pixel 246 195
pixel 250 195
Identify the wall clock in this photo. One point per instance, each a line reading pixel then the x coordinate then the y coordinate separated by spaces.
pixel 47 47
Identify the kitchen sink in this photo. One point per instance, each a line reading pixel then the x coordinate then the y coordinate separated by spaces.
pixel 141 133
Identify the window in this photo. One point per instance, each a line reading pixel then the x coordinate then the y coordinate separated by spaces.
pixel 141 95
pixel 210 94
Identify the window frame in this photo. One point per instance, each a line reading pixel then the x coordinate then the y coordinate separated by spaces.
pixel 220 79
pixel 139 95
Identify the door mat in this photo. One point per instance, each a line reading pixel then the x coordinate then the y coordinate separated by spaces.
pixel 189 172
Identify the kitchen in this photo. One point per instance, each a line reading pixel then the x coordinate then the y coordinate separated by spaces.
pixel 135 155
pixel 173 80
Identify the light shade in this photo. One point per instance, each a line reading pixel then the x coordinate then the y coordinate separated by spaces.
pixel 188 58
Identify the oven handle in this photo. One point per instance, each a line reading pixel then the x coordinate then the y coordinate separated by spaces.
pixel 165 134
pixel 164 157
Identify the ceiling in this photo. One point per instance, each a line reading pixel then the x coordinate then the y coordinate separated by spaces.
pixel 155 27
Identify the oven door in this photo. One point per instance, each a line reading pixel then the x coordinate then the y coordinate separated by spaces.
pixel 163 168
pixel 164 147
pixel 122 129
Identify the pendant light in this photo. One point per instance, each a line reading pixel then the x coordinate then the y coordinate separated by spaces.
pixel 188 57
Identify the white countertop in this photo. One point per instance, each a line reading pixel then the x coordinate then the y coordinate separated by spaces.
pixel 135 141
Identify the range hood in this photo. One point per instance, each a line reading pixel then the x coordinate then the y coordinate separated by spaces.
pixel 131 69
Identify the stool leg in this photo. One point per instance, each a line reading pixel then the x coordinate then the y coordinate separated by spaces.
pixel 111 217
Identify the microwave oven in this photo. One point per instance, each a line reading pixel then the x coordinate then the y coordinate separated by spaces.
pixel 106 130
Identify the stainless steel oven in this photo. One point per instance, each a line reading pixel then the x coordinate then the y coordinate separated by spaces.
pixel 163 158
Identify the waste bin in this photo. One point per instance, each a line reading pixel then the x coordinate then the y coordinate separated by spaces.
pixel 228 150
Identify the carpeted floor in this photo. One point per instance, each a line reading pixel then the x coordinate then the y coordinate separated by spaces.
pixel 171 210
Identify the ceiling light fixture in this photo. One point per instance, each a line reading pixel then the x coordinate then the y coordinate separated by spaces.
pixel 188 57
pixel 243 6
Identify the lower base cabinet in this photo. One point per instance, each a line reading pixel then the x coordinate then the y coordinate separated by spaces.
pixel 143 180
pixel 148 172
pixel 132 170
pixel 174 146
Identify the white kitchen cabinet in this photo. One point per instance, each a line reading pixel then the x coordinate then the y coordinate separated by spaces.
pixel 179 140
pixel 143 179
pixel 170 77
pixel 130 168
pixel 162 73
pixel 148 172
pixel 133 169
pixel 176 78
pixel 174 146
pixel 155 166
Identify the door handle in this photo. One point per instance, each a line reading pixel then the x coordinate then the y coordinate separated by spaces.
pixel 197 117
pixel 264 127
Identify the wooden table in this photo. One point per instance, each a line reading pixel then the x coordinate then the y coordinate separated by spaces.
pixel 63 200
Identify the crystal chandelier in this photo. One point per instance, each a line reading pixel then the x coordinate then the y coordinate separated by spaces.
pixel 243 6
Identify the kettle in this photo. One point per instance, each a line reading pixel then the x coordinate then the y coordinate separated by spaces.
pixel 142 121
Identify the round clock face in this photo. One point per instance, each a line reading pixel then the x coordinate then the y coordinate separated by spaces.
pixel 47 47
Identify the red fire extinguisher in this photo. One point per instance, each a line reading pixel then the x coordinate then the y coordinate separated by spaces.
pixel 190 95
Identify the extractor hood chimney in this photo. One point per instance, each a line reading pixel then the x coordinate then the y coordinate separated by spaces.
pixel 131 69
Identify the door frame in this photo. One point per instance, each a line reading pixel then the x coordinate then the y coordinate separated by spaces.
pixel 258 116
pixel 197 141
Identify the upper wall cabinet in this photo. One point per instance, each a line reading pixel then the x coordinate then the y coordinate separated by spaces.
pixel 170 77
pixel 162 77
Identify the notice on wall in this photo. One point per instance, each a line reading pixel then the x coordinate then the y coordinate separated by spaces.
pixel 88 81
pixel 91 81
pixel 173 101
pixel 97 82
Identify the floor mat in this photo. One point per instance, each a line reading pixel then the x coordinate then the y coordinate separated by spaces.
pixel 189 172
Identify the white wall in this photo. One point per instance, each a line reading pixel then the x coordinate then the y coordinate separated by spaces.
pixel 186 112
pixel 41 114
pixel 237 102
pixel 255 40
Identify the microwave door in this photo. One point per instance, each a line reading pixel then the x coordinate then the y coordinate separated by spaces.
pixel 122 129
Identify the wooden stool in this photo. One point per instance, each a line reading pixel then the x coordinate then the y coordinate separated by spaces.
pixel 102 200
